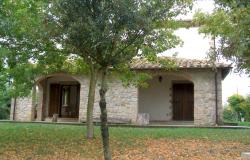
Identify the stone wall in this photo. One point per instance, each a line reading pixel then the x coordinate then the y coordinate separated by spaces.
pixel 219 95
pixel 205 97
pixel 12 109
pixel 23 109
pixel 121 102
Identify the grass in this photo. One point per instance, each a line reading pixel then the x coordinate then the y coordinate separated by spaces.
pixel 244 123
pixel 44 139
pixel 239 123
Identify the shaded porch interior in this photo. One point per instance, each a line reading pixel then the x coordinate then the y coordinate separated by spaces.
pixel 60 97
pixel 168 100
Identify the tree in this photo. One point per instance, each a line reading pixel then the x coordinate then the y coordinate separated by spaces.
pixel 246 108
pixel 238 108
pixel 229 24
pixel 26 49
pixel 4 94
pixel 111 33
pixel 237 104
pixel 229 115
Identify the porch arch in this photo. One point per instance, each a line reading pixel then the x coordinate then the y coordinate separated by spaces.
pixel 158 98
pixel 58 93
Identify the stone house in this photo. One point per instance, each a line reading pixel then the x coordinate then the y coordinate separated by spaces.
pixel 192 93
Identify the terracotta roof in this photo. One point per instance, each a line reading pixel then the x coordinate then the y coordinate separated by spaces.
pixel 179 62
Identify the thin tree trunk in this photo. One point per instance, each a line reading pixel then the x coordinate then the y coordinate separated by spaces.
pixel 104 120
pixel 91 100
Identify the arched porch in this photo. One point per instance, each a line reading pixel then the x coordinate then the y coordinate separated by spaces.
pixel 168 98
pixel 57 95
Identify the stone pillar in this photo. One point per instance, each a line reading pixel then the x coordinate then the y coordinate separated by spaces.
pixel 83 101
pixel 23 109
pixel 40 102
pixel 204 98
pixel 12 109
pixel 134 105
pixel 33 109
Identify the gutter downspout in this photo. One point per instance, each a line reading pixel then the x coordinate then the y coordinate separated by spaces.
pixel 215 83
pixel 14 110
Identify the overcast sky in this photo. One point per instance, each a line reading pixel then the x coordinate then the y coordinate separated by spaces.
pixel 196 46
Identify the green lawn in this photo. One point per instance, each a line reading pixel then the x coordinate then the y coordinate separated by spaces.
pixel 239 123
pixel 244 123
pixel 44 139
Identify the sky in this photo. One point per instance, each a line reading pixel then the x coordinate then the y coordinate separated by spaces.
pixel 196 46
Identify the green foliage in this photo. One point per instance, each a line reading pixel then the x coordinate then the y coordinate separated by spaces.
pixel 238 107
pixel 134 78
pixel 17 34
pixel 5 108
pixel 4 93
pixel 37 36
pixel 167 64
pixel 110 33
pixel 75 66
pixel 229 115
pixel 230 23
pixel 236 103
pixel 26 49
pixel 40 36
pixel 5 100
pixel 138 78
pixel 246 108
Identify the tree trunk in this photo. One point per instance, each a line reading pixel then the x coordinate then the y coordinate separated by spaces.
pixel 91 100
pixel 104 120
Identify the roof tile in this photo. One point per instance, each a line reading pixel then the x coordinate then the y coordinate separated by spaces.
pixel 180 63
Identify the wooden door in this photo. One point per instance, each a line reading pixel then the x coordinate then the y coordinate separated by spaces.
pixel 54 99
pixel 74 100
pixel 183 102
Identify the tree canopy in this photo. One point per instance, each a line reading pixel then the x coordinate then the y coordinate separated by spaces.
pixel 26 49
pixel 109 34
pixel 229 24
pixel 112 33
pixel 238 108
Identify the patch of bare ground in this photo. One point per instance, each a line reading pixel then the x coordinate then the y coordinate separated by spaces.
pixel 147 149
pixel 162 149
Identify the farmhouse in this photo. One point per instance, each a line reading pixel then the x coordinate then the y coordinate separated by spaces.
pixel 191 93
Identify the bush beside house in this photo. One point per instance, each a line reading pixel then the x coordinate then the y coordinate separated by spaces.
pixel 5 108
pixel 238 109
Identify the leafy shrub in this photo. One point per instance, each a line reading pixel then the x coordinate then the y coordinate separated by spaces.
pixel 230 115
pixel 237 104
pixel 4 108
pixel 247 109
